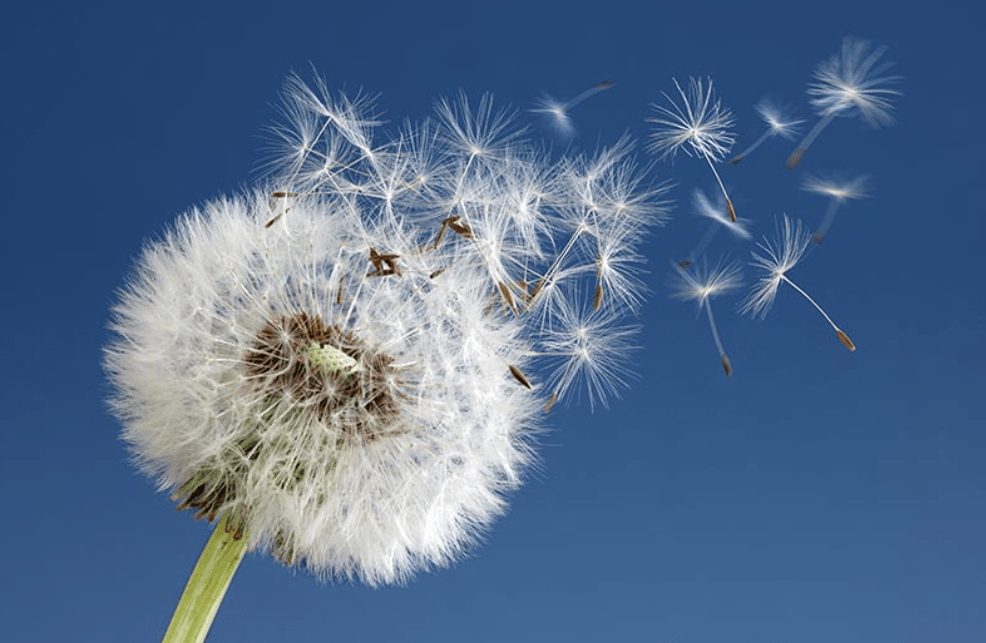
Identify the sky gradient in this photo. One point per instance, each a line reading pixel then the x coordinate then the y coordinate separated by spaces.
pixel 817 495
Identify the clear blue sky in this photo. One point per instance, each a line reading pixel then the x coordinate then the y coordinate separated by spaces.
pixel 816 496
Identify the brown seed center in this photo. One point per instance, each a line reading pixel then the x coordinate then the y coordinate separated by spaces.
pixel 360 391
pixel 300 366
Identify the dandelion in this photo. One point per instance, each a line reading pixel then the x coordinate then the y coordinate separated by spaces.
pixel 780 256
pixel 849 84
pixel 705 208
pixel 249 388
pixel 779 123
pixel 341 368
pixel 590 349
pixel 702 284
pixel 700 125
pixel 557 113
pixel 838 193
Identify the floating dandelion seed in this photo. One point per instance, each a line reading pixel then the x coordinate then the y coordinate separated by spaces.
pixel 702 284
pixel 705 208
pixel 590 346
pixel 849 84
pixel 557 113
pixel 701 123
pixel 779 123
pixel 838 192
pixel 788 248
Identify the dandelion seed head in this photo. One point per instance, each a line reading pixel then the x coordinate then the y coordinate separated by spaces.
pixel 778 119
pixel 352 358
pixel 704 282
pixel 556 113
pixel 588 347
pixel 836 188
pixel 778 255
pixel 704 207
pixel 245 387
pixel 851 83
pixel 699 125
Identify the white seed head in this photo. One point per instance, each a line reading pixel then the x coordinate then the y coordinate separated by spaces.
pixel 345 358
pixel 851 83
pixel 704 282
pixel 717 212
pixel 699 125
pixel 777 118
pixel 837 188
pixel 363 440
pixel 790 244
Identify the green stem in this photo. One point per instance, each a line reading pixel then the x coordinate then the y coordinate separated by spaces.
pixel 207 585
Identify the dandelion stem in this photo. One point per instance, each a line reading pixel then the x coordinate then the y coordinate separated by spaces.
pixel 556 264
pixel 739 157
pixel 208 583
pixel 729 204
pixel 796 155
pixel 715 336
pixel 827 220
pixel 842 336
pixel 704 242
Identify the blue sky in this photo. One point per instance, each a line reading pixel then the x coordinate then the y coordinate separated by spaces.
pixel 818 495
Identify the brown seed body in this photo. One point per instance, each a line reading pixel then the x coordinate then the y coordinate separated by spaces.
pixel 732 212
pixel 845 340
pixel 520 377
pixel 551 402
pixel 795 159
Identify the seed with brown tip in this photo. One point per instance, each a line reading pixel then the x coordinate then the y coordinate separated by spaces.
pixel 551 402
pixel 520 376
pixel 845 340
pixel 507 297
pixel 732 212
pixel 794 159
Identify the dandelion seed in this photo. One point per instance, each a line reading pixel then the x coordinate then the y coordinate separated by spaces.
pixel 520 377
pixel 700 125
pixel 849 84
pixel 507 297
pixel 557 113
pixel 704 207
pixel 597 299
pixel 589 347
pixel 702 285
pixel 838 193
pixel 780 256
pixel 779 123
pixel 462 229
pixel 551 402
pixel 608 220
